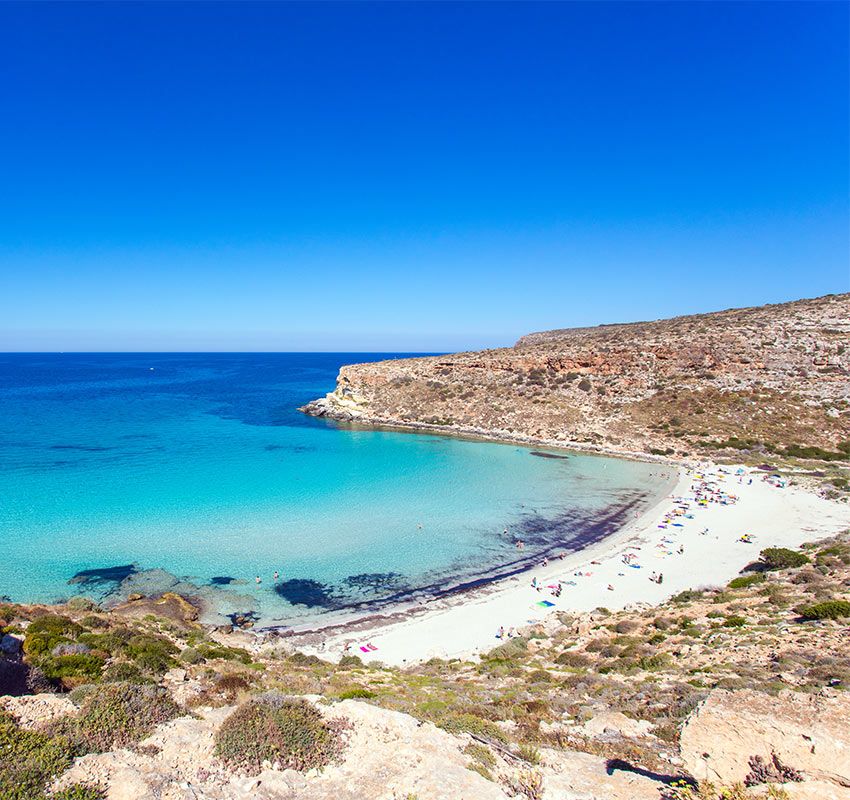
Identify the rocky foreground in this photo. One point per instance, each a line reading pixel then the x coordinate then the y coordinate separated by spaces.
pixel 737 691
pixel 769 382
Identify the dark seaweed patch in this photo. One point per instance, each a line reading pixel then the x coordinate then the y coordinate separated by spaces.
pixel 306 592
pixel 375 581
pixel 222 580
pixel 98 577
pixel 540 454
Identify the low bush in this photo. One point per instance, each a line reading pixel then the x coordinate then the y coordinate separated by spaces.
pixel 829 609
pixel 213 650
pixel 273 728
pixel 116 715
pixel 470 723
pixel 570 658
pixel 154 654
pixel 734 622
pixel 29 760
pixel 77 665
pixel 746 580
pixel 191 656
pixel 357 693
pixel 123 672
pixel 782 558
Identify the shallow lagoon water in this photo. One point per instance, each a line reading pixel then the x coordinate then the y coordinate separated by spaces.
pixel 200 465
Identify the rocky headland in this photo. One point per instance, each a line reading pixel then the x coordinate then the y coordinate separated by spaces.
pixel 771 381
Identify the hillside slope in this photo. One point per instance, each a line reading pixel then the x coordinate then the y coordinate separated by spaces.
pixel 772 376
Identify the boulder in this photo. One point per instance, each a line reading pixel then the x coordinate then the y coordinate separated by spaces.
pixel 807 733
pixel 10 645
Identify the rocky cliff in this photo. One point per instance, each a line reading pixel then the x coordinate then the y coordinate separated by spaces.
pixel 767 378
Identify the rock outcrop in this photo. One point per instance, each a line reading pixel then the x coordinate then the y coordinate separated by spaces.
pixel 772 375
pixel 733 737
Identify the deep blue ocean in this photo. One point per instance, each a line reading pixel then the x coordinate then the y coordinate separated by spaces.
pixel 123 472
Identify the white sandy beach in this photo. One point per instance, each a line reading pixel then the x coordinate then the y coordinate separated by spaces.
pixel 466 625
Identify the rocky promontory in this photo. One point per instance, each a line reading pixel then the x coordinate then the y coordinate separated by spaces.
pixel 763 379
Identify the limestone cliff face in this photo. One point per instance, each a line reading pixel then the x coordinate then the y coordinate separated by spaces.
pixel 776 375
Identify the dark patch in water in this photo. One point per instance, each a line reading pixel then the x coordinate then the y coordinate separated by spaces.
pixel 545 537
pixel 222 580
pixel 241 617
pixel 306 592
pixel 292 448
pixel 81 447
pixel 540 454
pixel 375 581
pixel 98 577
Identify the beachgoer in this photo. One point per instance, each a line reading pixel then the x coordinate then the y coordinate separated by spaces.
pixel 258 580
pixel 501 634
pixel 653 577
pixel 660 577
pixel 681 549
pixel 276 574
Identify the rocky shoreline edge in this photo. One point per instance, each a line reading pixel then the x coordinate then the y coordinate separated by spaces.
pixel 330 408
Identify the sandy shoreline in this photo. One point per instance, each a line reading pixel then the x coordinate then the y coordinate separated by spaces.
pixel 465 625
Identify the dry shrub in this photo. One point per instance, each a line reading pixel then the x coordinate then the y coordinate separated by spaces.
pixel 117 715
pixel 289 733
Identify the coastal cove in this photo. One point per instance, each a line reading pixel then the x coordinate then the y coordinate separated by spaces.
pixel 138 474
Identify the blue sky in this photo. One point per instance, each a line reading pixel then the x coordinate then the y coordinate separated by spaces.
pixel 411 176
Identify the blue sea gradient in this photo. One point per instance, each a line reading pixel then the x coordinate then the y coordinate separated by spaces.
pixel 200 465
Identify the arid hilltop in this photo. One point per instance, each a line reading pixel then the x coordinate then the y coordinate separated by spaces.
pixel 773 380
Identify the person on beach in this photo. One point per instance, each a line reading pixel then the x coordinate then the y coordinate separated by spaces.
pixel 258 580
pixel 276 574
pixel 654 578
pixel 681 549
pixel 660 578
pixel 501 633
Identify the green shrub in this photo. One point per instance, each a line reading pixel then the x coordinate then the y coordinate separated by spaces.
pixel 78 665
pixel 687 595
pixel 746 580
pixel 734 622
pixel 454 722
pixel 214 650
pixel 509 651
pixel 350 661
pixel 123 672
pixel 570 658
pixel 280 730
pixel 116 715
pixel 356 693
pixel 191 656
pixel 782 558
pixel 29 760
pixel 529 754
pixel 829 609
pixel 154 654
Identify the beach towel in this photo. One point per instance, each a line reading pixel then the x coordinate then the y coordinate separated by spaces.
pixel 545 603
pixel 365 649
pixel 371 646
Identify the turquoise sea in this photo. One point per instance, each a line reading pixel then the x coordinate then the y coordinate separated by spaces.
pixel 196 471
